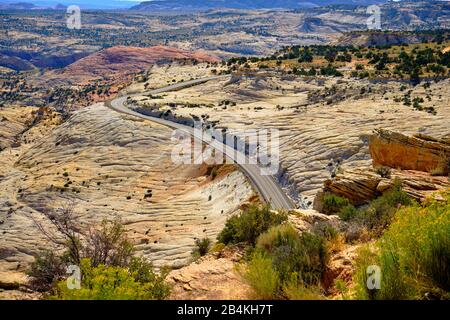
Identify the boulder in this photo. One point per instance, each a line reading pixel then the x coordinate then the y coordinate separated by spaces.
pixel 359 186
pixel 304 220
pixel 10 280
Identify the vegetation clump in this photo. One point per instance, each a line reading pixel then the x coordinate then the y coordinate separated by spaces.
pixel 413 255
pixel 105 257
pixel 376 215
pixel 332 204
pixel 104 282
pixel 384 172
pixel 202 247
pixel 247 226
pixel 286 264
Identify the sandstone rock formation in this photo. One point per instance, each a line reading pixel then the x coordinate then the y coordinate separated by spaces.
pixel 306 220
pixel 363 185
pixel 211 277
pixel 418 152
pixel 110 166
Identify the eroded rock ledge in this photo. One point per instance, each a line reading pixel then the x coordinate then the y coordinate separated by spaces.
pixel 419 152
pixel 411 160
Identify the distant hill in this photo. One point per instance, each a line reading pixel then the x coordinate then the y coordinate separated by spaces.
pixel 29 6
pixel 21 60
pixel 17 6
pixel 186 5
pixel 116 63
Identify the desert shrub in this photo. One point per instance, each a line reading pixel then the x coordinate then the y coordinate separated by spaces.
pixel 348 212
pixel 334 239
pixel 413 255
pixel 45 270
pixel 286 264
pixel 247 226
pixel 270 239
pixel 142 271
pixel 201 247
pixel 384 172
pixel 108 245
pixel 262 277
pixel 111 283
pixel 99 251
pixel 437 261
pixel 331 203
pixel 217 247
pixel 303 255
pixel 325 230
pixel 295 289
pixel 392 285
pixel 377 216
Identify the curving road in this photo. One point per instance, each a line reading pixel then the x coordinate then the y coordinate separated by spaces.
pixel 266 185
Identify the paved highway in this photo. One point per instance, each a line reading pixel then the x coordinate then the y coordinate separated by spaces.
pixel 266 185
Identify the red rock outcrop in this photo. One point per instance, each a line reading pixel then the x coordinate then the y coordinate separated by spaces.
pixel 117 62
pixel 411 159
pixel 363 185
pixel 419 153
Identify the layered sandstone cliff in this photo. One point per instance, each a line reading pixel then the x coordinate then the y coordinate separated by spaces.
pixel 421 153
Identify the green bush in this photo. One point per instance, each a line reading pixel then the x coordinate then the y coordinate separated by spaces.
pixel 293 264
pixel 331 203
pixel 262 277
pixel 303 255
pixel 347 213
pixel 247 226
pixel 114 283
pixel 295 289
pixel 325 230
pixel 142 271
pixel 437 261
pixel 413 255
pixel 103 252
pixel 270 239
pixel 108 245
pixel 201 247
pixel 377 216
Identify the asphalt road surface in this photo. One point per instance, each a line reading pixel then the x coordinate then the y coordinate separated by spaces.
pixel 266 185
